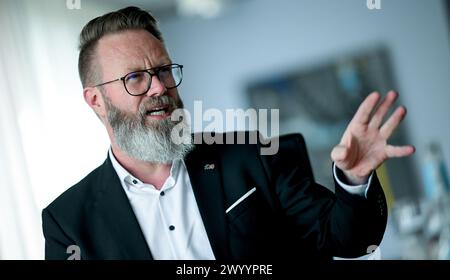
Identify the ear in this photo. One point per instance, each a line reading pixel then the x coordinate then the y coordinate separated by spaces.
pixel 94 99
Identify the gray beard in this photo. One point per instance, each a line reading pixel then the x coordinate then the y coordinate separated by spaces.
pixel 145 140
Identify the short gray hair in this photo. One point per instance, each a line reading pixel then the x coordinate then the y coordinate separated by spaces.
pixel 130 18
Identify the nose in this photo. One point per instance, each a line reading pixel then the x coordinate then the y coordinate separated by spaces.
pixel 157 88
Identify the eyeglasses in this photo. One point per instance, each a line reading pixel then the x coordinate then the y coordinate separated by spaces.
pixel 138 82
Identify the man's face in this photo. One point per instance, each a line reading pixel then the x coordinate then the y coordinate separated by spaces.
pixel 131 120
pixel 128 51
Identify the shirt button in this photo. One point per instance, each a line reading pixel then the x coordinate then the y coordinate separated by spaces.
pixel 134 182
pixel 162 193
pixel 172 228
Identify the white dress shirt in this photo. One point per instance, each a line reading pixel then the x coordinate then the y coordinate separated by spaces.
pixel 358 189
pixel 170 219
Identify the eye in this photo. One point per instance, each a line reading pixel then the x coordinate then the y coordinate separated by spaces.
pixel 134 77
pixel 165 69
pixel 165 72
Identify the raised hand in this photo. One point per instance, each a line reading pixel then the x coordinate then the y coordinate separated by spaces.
pixel 364 146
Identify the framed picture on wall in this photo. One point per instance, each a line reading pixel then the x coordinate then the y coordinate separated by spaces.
pixel 320 100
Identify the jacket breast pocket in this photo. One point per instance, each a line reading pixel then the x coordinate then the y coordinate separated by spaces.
pixel 243 214
pixel 241 204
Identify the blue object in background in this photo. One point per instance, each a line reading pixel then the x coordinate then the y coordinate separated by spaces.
pixel 435 176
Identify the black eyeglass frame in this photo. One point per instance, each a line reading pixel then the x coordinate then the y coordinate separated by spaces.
pixel 155 71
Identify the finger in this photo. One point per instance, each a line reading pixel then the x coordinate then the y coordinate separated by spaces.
pixel 399 151
pixel 391 124
pixel 362 115
pixel 339 155
pixel 340 152
pixel 387 102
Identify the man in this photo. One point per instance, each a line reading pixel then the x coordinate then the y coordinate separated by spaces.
pixel 156 199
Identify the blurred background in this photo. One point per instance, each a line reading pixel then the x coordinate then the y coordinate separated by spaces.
pixel 314 60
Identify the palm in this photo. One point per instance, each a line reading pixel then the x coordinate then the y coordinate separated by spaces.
pixel 363 146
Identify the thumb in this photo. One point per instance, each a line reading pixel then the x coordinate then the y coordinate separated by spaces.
pixel 340 155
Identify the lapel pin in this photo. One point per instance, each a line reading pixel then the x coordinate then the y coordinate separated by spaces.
pixel 209 166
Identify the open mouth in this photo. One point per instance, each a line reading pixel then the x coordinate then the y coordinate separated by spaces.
pixel 159 111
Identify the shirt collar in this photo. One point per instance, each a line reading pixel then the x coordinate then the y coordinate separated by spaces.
pixel 130 181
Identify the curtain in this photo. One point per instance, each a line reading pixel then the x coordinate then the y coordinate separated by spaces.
pixel 49 138
pixel 19 218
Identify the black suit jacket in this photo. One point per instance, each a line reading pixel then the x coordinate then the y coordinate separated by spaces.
pixel 288 216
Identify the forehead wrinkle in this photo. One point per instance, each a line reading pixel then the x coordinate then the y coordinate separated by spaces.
pixel 134 50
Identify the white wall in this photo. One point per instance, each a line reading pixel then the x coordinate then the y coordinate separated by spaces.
pixel 258 37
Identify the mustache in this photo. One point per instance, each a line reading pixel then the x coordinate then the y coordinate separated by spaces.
pixel 156 102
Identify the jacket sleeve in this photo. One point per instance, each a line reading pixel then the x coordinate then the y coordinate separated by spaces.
pixel 335 224
pixel 57 244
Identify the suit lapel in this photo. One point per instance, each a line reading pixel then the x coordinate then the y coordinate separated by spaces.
pixel 204 173
pixel 122 225
pixel 118 215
